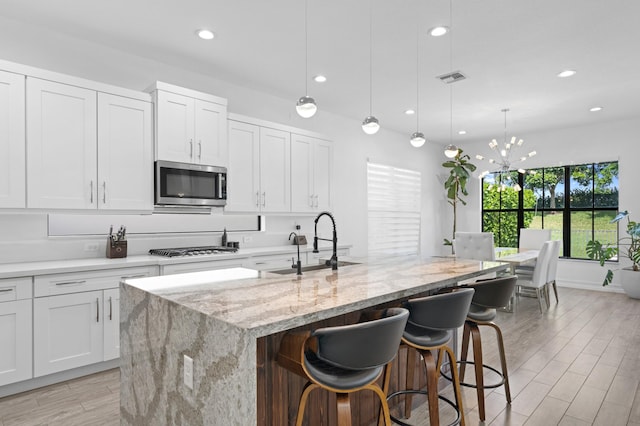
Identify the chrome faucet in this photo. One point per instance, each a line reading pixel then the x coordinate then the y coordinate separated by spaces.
pixel 333 262
pixel 297 265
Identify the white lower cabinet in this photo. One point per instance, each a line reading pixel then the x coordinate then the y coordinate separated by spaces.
pixel 15 330
pixel 181 268
pixel 76 318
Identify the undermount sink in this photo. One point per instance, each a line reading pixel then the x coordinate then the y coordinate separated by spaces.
pixel 310 268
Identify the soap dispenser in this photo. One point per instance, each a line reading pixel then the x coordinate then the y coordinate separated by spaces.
pixel 224 238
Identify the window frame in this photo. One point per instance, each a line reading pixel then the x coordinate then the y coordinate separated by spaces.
pixel 566 208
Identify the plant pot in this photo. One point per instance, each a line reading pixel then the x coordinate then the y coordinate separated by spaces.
pixel 630 281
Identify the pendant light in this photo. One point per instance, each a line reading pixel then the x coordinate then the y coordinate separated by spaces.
pixel 417 138
pixel 306 106
pixel 451 151
pixel 370 124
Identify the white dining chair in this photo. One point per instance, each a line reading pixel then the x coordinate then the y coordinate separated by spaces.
pixel 474 245
pixel 553 267
pixel 531 239
pixel 538 280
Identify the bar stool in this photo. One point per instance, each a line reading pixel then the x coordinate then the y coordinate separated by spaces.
pixel 489 295
pixel 432 321
pixel 344 359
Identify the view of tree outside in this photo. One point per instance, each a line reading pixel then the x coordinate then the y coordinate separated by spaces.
pixel 576 202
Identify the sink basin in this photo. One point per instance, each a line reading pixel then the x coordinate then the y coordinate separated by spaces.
pixel 310 268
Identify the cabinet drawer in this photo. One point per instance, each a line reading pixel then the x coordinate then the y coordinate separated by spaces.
pixel 16 289
pixel 49 285
pixel 281 261
pixel 181 268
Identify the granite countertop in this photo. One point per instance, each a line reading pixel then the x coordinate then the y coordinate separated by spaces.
pixel 266 303
pixel 12 270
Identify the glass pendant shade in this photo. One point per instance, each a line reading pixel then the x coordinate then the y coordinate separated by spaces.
pixel 451 151
pixel 370 125
pixel 306 107
pixel 417 139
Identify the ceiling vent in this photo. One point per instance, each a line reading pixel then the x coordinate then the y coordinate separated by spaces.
pixel 452 77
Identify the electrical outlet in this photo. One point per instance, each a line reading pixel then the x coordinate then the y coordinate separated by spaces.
pixel 188 372
pixel 247 239
pixel 91 247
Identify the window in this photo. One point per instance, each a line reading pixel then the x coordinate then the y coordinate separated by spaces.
pixel 393 200
pixel 576 202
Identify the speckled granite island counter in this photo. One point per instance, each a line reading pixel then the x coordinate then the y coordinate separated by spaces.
pixel 228 322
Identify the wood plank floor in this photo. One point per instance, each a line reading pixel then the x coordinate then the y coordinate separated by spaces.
pixel 576 364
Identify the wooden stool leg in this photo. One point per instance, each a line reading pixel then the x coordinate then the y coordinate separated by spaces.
pixel 503 361
pixel 344 409
pixel 432 386
pixel 384 412
pixel 477 359
pixel 456 383
pixel 303 401
pixel 411 362
pixel 466 331
pixel 385 391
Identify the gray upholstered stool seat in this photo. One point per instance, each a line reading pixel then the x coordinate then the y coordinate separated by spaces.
pixel 345 359
pixel 431 322
pixel 481 313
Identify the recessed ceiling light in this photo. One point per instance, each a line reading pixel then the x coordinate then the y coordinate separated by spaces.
pixel 595 109
pixel 566 73
pixel 205 34
pixel 319 78
pixel 438 31
pixel 462 132
pixel 410 111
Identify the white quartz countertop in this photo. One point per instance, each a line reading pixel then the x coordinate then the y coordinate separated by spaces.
pixel 266 303
pixel 12 270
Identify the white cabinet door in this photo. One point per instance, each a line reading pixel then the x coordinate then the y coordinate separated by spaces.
pixel 323 175
pixel 61 146
pixel 67 331
pixel 111 311
pixel 175 124
pixel 210 143
pixel 12 140
pixel 302 195
pixel 243 178
pixel 125 156
pixel 15 341
pixel 275 170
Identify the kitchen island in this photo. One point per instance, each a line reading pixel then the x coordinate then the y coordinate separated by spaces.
pixel 229 323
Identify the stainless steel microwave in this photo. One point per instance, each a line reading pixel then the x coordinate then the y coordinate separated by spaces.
pixel 184 184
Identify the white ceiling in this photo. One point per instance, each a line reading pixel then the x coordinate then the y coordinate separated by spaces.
pixel 511 51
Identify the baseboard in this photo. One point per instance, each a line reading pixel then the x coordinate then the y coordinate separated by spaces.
pixel 62 376
pixel 581 285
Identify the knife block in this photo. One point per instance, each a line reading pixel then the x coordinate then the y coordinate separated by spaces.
pixel 116 249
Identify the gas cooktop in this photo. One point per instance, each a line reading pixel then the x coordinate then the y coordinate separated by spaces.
pixel 192 251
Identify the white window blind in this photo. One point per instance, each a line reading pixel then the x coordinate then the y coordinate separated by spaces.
pixel 393 199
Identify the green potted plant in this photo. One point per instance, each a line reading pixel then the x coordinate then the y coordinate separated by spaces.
pixel 629 246
pixel 460 170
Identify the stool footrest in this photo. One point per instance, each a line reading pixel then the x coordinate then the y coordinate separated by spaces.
pixel 471 385
pixel 421 392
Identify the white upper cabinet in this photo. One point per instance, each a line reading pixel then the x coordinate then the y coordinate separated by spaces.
pixel 12 140
pixel 191 126
pixel 311 172
pixel 259 169
pixel 87 150
pixel 125 153
pixel 61 146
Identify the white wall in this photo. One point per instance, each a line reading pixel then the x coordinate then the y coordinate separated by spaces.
pixel 596 143
pixel 24 237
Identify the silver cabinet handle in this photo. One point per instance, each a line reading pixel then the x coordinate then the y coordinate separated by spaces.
pixel 104 192
pixel 97 309
pixel 91 191
pixel 5 290
pixel 110 310
pixel 199 150
pixel 191 148
pixel 257 198
pixel 264 199
pixel 127 277
pixel 71 282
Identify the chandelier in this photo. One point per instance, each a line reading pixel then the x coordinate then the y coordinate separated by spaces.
pixel 507 157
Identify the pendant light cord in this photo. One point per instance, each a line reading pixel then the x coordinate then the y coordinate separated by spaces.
pixel 306 50
pixel 370 57
pixel 451 69
pixel 418 76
